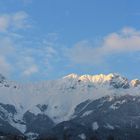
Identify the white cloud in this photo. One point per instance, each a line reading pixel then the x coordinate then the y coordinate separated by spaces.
pixel 84 52
pixel 17 55
pixel 26 61
pixel 14 21
pixel 4 22
pixel 6 48
pixel 125 41
pixel 5 67
pixel 12 56
pixel 31 70
pixel 20 20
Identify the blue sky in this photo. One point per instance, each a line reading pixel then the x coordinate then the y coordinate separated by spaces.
pixel 47 39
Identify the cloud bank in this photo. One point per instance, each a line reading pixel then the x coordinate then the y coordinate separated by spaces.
pixel 85 52
pixel 23 56
pixel 26 58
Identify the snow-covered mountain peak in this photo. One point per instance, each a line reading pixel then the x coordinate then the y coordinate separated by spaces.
pixel 111 78
pixel 100 78
pixel 71 76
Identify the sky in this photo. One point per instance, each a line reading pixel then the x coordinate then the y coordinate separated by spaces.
pixel 48 39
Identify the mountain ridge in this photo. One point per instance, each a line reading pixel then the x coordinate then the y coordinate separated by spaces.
pixel 97 78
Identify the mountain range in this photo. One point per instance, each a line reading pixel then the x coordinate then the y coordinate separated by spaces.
pixel 74 107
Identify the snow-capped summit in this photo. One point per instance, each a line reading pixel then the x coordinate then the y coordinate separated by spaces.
pixel 135 82
pixel 71 76
pixel 101 78
pixel 113 79
pixel 118 81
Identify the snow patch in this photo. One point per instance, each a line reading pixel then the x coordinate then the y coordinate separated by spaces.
pixel 87 113
pixel 82 136
pixel 109 126
pixel 95 126
pixel 117 104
